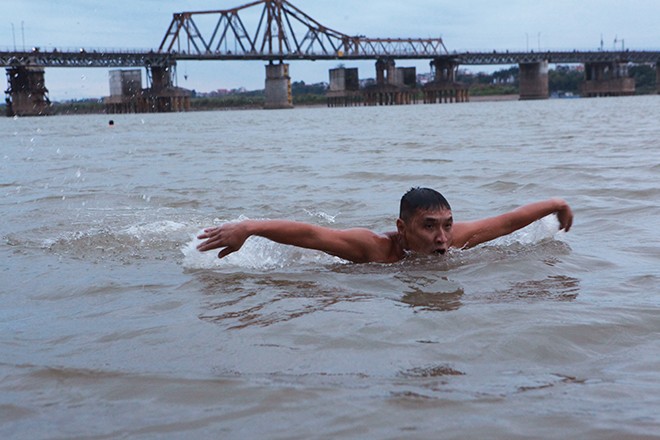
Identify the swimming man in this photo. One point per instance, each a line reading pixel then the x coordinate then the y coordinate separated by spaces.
pixel 425 226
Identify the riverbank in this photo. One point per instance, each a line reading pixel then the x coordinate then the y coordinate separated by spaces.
pixel 488 98
pixel 85 107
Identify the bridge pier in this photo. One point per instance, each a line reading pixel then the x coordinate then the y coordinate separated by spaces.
pixel 534 80
pixel 344 88
pixel 444 87
pixel 607 79
pixel 163 95
pixel 125 92
pixel 128 96
pixel 27 92
pixel 657 77
pixel 278 87
pixel 161 77
pixel 394 86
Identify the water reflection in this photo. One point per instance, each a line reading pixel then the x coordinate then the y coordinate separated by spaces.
pixel 432 371
pixel 243 300
pixel 431 293
pixel 553 287
pixel 441 301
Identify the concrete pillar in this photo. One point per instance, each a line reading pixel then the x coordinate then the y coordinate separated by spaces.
pixel 444 88
pixel 386 72
pixel 344 87
pixel 343 79
pixel 657 77
pixel 534 80
pixel 444 70
pixel 278 87
pixel 607 79
pixel 161 78
pixel 28 95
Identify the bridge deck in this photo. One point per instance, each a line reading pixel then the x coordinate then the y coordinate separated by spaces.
pixel 128 58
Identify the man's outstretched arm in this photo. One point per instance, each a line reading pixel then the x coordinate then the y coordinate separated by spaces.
pixel 469 234
pixel 357 245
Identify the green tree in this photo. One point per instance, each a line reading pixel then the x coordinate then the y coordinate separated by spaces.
pixel 645 78
pixel 564 79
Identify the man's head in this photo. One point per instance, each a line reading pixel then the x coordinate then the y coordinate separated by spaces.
pixel 421 199
pixel 425 221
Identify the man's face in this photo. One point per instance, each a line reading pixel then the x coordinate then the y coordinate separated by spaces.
pixel 428 231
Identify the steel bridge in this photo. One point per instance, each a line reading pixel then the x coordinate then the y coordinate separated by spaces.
pixel 278 32
pixel 127 58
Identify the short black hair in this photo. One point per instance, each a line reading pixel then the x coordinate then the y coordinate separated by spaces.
pixel 421 199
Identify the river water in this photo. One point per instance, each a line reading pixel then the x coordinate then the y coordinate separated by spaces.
pixel 113 326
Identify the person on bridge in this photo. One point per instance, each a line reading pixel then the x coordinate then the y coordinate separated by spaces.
pixel 425 226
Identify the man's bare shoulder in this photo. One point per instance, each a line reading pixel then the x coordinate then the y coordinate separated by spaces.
pixel 377 248
pixel 395 250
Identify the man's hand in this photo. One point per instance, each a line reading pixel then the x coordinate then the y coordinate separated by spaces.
pixel 565 216
pixel 230 236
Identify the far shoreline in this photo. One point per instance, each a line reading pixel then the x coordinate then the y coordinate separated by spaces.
pixel 87 107
pixel 486 98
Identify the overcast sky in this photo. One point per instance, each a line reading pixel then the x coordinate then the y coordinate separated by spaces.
pixel 475 25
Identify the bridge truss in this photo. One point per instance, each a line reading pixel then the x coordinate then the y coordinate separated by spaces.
pixel 280 31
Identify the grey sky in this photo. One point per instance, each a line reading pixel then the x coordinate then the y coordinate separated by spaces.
pixel 464 25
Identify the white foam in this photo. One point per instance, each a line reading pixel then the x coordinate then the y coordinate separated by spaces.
pixel 257 253
pixel 322 215
pixel 154 228
pixel 543 229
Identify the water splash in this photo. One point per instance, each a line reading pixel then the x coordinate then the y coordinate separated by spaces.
pixel 101 242
pixel 322 215
pixel 544 229
pixel 154 230
pixel 257 253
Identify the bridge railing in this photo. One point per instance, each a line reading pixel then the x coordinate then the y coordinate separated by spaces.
pixel 86 58
pixel 79 49
pixel 556 57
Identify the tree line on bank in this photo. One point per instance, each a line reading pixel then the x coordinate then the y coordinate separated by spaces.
pixel 562 80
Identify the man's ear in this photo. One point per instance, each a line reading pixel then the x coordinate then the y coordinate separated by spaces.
pixel 400 226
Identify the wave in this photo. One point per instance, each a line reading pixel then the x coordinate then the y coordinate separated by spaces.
pixel 95 243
